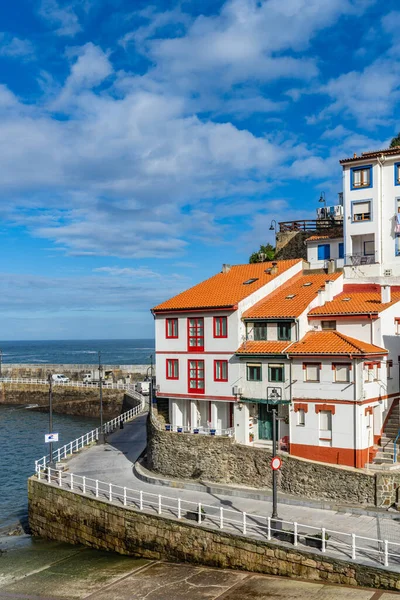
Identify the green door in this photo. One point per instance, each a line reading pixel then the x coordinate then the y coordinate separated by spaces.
pixel 264 422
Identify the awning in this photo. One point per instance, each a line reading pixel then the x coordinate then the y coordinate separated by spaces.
pixel 264 401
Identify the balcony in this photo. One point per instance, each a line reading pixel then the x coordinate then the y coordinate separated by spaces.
pixel 355 260
pixel 310 225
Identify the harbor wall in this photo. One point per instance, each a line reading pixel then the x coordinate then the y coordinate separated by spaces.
pixel 73 371
pixel 58 514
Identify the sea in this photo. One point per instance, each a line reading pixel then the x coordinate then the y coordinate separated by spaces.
pixel 81 352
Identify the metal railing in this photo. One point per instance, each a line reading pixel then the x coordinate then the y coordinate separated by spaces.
pixel 88 438
pixel 356 260
pixel 230 431
pixel 309 225
pixel 346 545
pixel 80 384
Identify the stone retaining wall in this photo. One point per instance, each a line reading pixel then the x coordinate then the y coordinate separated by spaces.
pixel 66 400
pixel 221 460
pixel 67 516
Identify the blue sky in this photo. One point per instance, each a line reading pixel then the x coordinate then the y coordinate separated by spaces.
pixel 144 144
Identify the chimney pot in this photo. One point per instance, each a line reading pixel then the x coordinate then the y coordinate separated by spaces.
pixel 321 297
pixel 328 290
pixel 226 268
pixel 274 268
pixel 386 295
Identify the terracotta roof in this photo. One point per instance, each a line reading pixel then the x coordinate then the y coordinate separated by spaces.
pixel 291 299
pixel 225 290
pixel 332 342
pixel 272 347
pixel 372 154
pixel 355 303
pixel 314 238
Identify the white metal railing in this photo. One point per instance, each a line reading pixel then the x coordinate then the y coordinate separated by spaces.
pixel 347 545
pixel 81 384
pixel 88 438
pixel 230 432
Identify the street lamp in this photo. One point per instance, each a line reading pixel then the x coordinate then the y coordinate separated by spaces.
pixel 101 437
pixel 274 471
pixel 272 227
pixel 322 198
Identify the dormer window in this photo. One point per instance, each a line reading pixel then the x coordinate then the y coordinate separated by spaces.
pixel 361 177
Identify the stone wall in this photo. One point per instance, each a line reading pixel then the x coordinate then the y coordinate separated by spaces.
pixel 221 460
pixel 67 516
pixel 66 400
pixel 73 371
pixel 291 244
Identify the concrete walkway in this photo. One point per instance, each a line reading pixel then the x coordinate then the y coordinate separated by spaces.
pixel 113 463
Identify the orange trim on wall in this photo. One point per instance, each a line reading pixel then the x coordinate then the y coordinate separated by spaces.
pixel 196 397
pixel 297 407
pixel 358 402
pixel 329 407
pixel 334 456
pixel 368 410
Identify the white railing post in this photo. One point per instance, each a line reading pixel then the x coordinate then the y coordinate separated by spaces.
pixel 110 492
pixel 58 455
pixel 179 508
pixel 159 504
pixel 97 488
pixel 386 559
pixel 353 546
pixel 323 545
pixel 124 496
pixel 48 474
pixel 38 474
pixel 84 484
pixel 221 517
pixel 72 481
pixel 295 534
pixel 59 479
pixel 199 513
pixel 268 528
pixel 141 500
pixel 244 523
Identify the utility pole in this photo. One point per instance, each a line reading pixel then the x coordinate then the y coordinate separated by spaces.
pixel 274 472
pixel 101 438
pixel 51 463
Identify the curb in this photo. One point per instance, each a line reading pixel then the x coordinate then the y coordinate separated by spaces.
pixel 227 490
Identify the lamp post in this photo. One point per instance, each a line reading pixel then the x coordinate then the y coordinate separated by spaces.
pixel 151 384
pixel 50 380
pixel 322 198
pixel 101 437
pixel 273 227
pixel 274 472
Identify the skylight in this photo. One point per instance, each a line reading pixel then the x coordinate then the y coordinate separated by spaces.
pixel 346 299
pixel 249 281
pixel 290 296
pixel 307 283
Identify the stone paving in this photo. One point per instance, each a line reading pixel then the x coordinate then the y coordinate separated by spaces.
pixel 56 571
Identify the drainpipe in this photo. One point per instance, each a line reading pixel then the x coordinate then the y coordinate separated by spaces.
pixel 372 329
pixel 381 160
pixel 355 375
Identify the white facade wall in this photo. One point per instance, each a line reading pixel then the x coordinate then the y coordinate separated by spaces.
pixel 327 388
pixel 312 253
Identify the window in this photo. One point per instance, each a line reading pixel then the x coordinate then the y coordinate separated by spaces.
pixel 396 173
pixel 253 372
pixel 325 421
pixel 260 330
pixel 369 248
pixel 341 250
pixel 276 373
pixel 341 372
pixel 171 328
pixel 361 211
pixel 284 331
pixel 220 370
pixel 397 324
pixel 220 327
pixel 172 368
pixel 328 325
pixel 301 417
pixel 250 281
pixel 196 376
pixel 311 371
pixel 371 372
pixel 324 251
pixel 389 365
pixel 196 335
pixel 361 177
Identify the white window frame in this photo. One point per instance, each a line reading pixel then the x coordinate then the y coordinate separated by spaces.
pixel 322 415
pixel 301 417
pixel 306 377
pixel 338 367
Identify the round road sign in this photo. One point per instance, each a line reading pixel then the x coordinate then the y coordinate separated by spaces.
pixel 276 463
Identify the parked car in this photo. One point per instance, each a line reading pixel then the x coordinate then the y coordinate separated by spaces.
pixel 60 378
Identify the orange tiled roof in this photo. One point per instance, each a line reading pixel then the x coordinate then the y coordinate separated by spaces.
pixel 268 347
pixel 372 154
pixel 226 289
pixel 281 304
pixel 355 303
pixel 332 342
pixel 315 238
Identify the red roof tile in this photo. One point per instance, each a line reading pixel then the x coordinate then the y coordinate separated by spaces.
pixel 225 290
pixel 268 347
pixel 372 154
pixel 292 299
pixel 355 303
pixel 332 342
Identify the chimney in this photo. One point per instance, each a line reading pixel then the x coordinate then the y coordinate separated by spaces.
pixel 321 297
pixel 328 291
pixel 385 294
pixel 274 269
pixel 331 266
pixel 226 268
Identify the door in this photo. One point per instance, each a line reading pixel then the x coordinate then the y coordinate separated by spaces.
pixel 264 422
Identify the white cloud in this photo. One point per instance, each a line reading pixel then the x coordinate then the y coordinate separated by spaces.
pixel 62 17
pixel 14 47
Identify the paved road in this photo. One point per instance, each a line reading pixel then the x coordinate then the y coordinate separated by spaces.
pixel 114 463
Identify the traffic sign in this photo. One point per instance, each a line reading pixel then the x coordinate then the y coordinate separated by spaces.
pixel 276 463
pixel 50 437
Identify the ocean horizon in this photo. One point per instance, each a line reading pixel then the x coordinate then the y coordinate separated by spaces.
pixel 113 352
